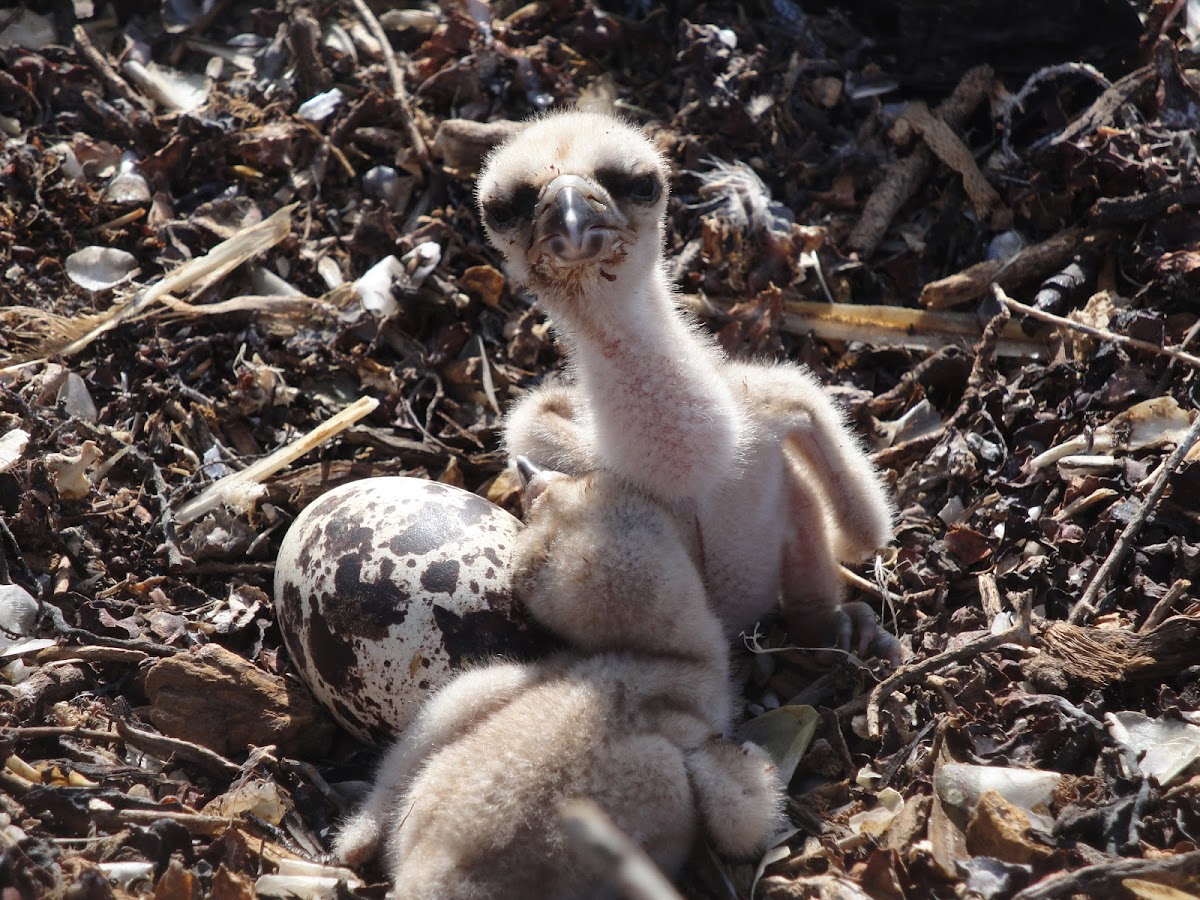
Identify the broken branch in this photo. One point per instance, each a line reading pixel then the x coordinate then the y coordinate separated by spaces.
pixel 887 326
pixel 399 91
pixel 950 149
pixel 901 179
pixel 1018 634
pixel 1100 333
pixel 1034 262
pixel 1102 880
pixel 242 488
pixel 1087 606
pixel 105 72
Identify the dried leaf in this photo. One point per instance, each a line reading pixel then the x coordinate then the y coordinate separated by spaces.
pixel 785 733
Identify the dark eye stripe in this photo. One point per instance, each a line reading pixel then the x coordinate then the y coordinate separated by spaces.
pixel 640 187
pixel 506 210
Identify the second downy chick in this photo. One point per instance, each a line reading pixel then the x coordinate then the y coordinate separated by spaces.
pixel 633 718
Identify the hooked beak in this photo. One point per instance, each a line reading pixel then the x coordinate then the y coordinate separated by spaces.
pixel 526 468
pixel 534 479
pixel 574 223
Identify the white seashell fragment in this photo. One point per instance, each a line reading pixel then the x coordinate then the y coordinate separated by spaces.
pixel 70 162
pixel 292 868
pixel 1166 748
pixel 18 614
pixel 23 648
pixel 69 471
pixel 266 283
pixel 126 875
pixel 421 260
pixel 876 821
pixel 423 20
pixel 312 887
pixel 383 183
pixel 100 268
pixel 374 287
pixel 177 91
pixel 257 797
pixel 1159 422
pixel 962 785
pixel 322 106
pixel 12 446
pixel 128 187
pixel 1005 245
pixel 76 400
pixel 336 38
pixel 330 272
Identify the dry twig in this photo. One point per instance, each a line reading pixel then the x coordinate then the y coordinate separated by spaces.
pixel 901 180
pixel 1162 609
pixel 196 823
pixel 240 487
pixel 158 744
pixel 78 332
pixel 1102 880
pixel 397 77
pixel 985 356
pixel 1087 606
pixel 1018 634
pixel 950 149
pixel 1127 90
pixel 1103 656
pixel 886 326
pixel 1140 207
pixel 1032 263
pixel 105 72
pixel 1099 333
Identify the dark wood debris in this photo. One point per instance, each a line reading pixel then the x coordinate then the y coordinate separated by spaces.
pixel 851 182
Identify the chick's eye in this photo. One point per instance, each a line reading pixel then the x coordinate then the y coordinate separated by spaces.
pixel 644 189
pixel 508 209
pixel 500 214
pixel 624 185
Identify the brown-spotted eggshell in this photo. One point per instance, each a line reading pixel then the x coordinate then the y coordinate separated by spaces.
pixel 387 586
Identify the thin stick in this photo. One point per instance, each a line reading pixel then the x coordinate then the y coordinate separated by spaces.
pixel 1102 880
pixel 1086 607
pixel 158 744
pixel 1102 334
pixel 586 825
pixel 106 73
pixel 399 91
pixel 880 326
pixel 1162 609
pixel 223 258
pixel 93 654
pixel 196 823
pixel 912 674
pixel 902 179
pixel 231 487
pixel 1018 634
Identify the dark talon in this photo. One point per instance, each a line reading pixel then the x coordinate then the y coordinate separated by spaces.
pixel 859 619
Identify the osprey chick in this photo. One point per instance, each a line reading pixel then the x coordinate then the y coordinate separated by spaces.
pixel 632 718
pixel 779 489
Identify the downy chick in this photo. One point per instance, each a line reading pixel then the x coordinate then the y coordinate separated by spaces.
pixel 780 489
pixel 633 718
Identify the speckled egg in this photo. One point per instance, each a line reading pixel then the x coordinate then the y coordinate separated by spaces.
pixel 387 586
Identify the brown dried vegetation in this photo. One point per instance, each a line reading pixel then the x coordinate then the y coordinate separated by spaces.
pixel 850 183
